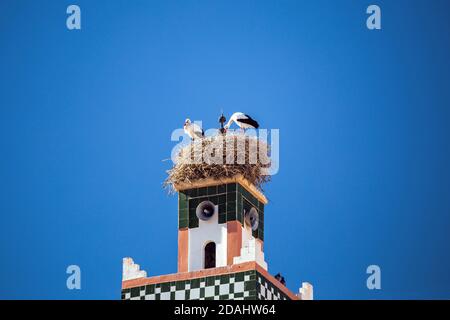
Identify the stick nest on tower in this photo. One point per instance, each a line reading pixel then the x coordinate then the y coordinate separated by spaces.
pixel 219 157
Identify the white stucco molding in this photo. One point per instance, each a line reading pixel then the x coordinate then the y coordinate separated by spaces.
pixel 306 292
pixel 131 270
pixel 251 251
pixel 207 231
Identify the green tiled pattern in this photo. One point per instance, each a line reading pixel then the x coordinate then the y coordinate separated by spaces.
pixel 231 198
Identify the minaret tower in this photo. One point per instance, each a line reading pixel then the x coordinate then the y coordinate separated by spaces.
pixel 220 248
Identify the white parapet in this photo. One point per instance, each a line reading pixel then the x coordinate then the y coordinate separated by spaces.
pixel 251 251
pixel 306 292
pixel 131 270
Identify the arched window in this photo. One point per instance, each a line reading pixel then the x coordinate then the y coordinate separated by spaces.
pixel 210 255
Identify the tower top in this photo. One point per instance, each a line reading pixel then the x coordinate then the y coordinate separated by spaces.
pixel 220 225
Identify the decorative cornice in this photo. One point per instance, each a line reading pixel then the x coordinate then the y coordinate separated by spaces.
pixel 212 182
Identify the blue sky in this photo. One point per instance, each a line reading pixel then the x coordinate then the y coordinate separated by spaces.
pixel 86 118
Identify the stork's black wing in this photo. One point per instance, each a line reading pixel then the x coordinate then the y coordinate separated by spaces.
pixel 249 121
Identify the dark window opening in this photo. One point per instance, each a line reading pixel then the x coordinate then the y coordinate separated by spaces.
pixel 210 255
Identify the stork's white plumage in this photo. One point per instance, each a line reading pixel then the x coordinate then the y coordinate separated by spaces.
pixel 193 130
pixel 243 121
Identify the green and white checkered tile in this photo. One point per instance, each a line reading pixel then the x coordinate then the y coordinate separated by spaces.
pixel 249 285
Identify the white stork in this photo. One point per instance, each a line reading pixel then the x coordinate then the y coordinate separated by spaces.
pixel 243 121
pixel 193 130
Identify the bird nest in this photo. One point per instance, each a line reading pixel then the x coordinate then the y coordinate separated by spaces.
pixel 219 157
